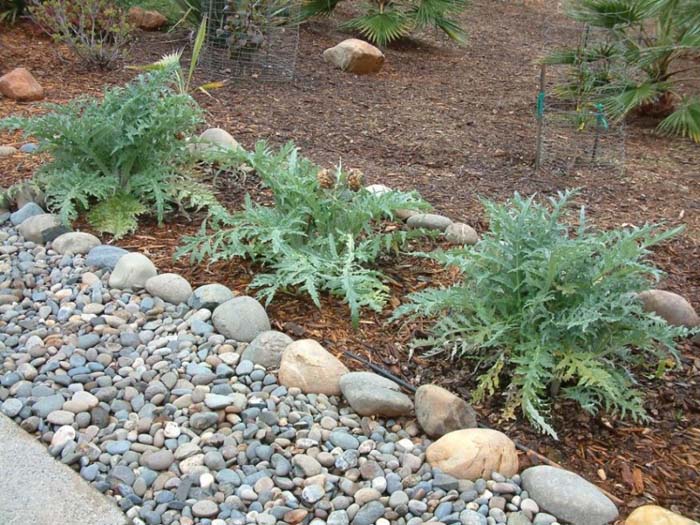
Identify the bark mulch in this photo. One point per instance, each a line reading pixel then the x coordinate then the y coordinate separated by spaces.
pixel 456 124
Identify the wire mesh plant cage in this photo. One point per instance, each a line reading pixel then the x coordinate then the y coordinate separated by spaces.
pixel 574 131
pixel 255 39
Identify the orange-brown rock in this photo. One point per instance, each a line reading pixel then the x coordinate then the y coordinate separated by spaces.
pixel 655 515
pixel 310 367
pixel 19 84
pixel 474 453
pixel 146 20
pixel 355 56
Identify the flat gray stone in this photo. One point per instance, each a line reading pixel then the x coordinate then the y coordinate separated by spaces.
pixel 131 272
pixel 266 349
pixel 430 221
pixel 373 395
pixel 33 228
pixel 104 256
pixel 210 296
pixel 170 287
pixel 241 318
pixel 28 210
pixel 568 496
pixel 38 490
pixel 72 243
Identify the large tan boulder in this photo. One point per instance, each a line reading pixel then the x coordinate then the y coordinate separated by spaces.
pixel 307 365
pixel 355 56
pixel 473 453
pixel 676 310
pixel 146 20
pixel 19 84
pixel 439 411
pixel 655 515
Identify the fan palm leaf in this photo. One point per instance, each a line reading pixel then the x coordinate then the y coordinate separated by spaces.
pixel 381 27
pixel 311 8
pixel 684 121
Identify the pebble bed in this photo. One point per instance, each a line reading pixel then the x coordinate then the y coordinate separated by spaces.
pixel 157 410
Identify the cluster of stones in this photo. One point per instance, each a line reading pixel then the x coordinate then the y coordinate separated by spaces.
pixel 187 408
pixel 453 232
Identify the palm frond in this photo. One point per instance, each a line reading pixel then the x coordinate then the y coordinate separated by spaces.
pixel 684 121
pixel 632 96
pixel 311 8
pixel 610 14
pixel 381 27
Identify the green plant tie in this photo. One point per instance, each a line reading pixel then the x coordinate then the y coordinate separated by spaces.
pixel 601 121
pixel 540 105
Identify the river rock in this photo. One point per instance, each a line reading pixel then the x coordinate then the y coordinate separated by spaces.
pixel 7 151
pixel 307 365
pixel 676 310
pixel 378 189
pixel 474 453
pixel 73 243
pixel 266 349
pixel 373 395
pixel 430 221
pixel 28 210
pixel 160 460
pixel 568 496
pixel 460 233
pixel 241 318
pixel 33 228
pixel 131 272
pixel 219 138
pixel 655 515
pixel 439 411
pixel 170 287
pixel 104 256
pixel 19 84
pixel 355 56
pixel 210 296
pixel 205 509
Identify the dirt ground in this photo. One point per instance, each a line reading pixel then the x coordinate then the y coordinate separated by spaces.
pixel 456 124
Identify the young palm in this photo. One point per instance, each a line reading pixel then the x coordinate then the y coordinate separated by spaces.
pixel 385 21
pixel 654 45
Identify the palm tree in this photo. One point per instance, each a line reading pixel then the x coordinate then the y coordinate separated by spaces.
pixel 649 63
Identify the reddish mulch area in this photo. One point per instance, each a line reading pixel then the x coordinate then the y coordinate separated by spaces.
pixel 455 124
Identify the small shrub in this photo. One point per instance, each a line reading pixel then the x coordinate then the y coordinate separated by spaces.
pixel 97 31
pixel 543 305
pixel 119 157
pixel 322 234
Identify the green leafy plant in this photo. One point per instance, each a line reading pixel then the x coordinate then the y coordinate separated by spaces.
pixel 646 64
pixel 119 157
pixel 172 62
pixel 322 234
pixel 544 306
pixel 97 31
pixel 385 21
pixel 190 12
pixel 11 10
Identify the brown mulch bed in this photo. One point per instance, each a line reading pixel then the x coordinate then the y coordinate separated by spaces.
pixel 455 124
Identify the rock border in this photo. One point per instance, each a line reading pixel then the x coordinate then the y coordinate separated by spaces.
pixel 219 439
